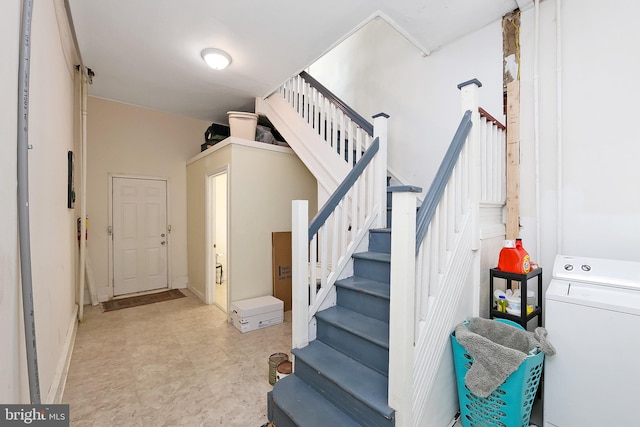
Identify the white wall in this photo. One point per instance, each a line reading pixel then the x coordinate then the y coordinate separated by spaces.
pixel 598 196
pixel 52 225
pixel 378 70
pixel 130 140
pixel 442 402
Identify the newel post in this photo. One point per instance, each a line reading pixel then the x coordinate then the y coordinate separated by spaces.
pixel 402 302
pixel 380 121
pixel 300 273
pixel 469 95
pixel 470 103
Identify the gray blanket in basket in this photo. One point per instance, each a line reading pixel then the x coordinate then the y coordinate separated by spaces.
pixel 498 349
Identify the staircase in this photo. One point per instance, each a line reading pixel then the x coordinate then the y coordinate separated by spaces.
pixel 346 332
pixel 341 377
pixel 340 325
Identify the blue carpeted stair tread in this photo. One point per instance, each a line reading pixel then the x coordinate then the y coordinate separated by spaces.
pixel 380 230
pixel 366 327
pixel 367 286
pixel 373 256
pixel 306 407
pixel 356 379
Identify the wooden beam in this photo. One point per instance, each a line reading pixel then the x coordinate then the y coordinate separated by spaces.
pixel 511 51
pixel 513 160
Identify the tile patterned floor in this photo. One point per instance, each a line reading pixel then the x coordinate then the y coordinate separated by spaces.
pixel 174 363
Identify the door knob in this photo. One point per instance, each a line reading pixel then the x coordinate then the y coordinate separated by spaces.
pixel 163 242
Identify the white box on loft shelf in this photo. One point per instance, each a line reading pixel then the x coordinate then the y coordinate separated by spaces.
pixel 256 313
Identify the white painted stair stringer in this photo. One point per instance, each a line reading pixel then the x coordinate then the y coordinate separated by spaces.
pixel 433 332
pixel 324 163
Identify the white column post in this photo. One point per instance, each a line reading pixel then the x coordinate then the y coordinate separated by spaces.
pixel 470 103
pixel 380 121
pixel 300 273
pixel 402 305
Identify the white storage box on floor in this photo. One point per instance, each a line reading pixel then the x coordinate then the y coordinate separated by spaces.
pixel 255 313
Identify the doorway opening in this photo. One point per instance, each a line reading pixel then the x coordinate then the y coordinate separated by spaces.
pixel 217 231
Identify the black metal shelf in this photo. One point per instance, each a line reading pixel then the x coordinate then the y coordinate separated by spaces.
pixel 523 280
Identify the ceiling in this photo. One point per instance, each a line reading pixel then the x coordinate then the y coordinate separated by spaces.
pixel 147 52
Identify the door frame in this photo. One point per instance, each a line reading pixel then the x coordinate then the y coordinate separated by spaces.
pixel 209 288
pixel 110 178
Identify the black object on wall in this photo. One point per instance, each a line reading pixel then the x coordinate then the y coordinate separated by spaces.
pixel 71 192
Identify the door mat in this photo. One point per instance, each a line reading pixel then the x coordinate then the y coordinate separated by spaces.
pixel 117 304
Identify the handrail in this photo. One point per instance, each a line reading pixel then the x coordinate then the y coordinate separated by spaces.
pixel 490 118
pixel 350 112
pixel 430 203
pixel 343 188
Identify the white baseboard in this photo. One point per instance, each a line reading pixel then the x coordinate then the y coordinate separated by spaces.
pixel 60 378
pixel 197 293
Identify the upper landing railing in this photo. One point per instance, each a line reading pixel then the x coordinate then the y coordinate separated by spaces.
pixel 322 250
pixel 344 130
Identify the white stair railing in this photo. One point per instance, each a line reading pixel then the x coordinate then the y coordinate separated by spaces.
pixel 424 288
pixel 493 139
pixel 441 258
pixel 322 250
pixel 344 130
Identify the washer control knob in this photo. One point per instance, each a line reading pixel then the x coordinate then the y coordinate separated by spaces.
pixel 568 267
pixel 585 267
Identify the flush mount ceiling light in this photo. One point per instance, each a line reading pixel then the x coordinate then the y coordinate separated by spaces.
pixel 216 58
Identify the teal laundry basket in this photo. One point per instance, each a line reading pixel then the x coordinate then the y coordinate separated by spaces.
pixel 510 404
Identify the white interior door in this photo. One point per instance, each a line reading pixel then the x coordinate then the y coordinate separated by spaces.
pixel 139 235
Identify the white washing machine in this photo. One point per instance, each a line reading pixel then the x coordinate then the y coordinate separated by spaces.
pixel 592 315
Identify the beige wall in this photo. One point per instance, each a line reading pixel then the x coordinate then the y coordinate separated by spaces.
pixel 128 140
pixel 263 181
pixel 53 231
pixel 263 184
pixel 197 173
pixel 52 225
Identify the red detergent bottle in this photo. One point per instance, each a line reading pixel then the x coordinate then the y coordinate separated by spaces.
pixel 524 256
pixel 514 258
